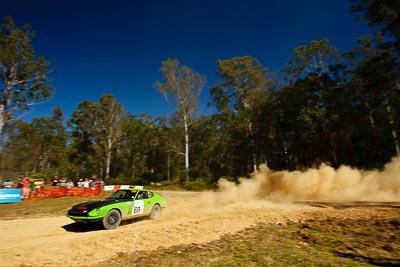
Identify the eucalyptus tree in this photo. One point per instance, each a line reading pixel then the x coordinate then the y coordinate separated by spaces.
pixel 383 15
pixel 111 117
pixel 24 76
pixel 182 86
pixel 313 86
pixel 96 129
pixel 18 152
pixel 139 141
pixel 83 125
pixel 38 146
pixel 51 143
pixel 382 53
pixel 242 81
pixel 375 73
pixel 317 57
pixel 210 150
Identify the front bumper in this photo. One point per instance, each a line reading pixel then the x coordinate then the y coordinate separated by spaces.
pixel 84 219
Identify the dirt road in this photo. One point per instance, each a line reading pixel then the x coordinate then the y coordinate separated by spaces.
pixel 189 218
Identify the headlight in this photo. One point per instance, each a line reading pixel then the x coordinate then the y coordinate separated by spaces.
pixel 97 210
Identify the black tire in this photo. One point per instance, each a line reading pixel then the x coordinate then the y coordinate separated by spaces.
pixel 111 220
pixel 156 212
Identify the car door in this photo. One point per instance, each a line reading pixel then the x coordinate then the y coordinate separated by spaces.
pixel 148 201
pixel 138 207
pixel 126 203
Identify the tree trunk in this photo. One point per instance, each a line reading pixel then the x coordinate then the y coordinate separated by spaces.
pixel 108 160
pixel 186 148
pixel 168 167
pixel 2 119
pixel 393 128
pixel 253 146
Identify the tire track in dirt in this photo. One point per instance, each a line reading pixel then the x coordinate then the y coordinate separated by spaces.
pixel 189 218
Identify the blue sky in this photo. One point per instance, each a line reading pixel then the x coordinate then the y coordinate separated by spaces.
pixel 117 46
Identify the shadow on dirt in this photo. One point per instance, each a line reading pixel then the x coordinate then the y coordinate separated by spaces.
pixel 83 227
pixel 346 205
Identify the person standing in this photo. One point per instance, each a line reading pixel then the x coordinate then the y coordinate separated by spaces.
pixel 70 184
pixel 54 184
pixel 26 187
pixel 8 183
pixel 54 181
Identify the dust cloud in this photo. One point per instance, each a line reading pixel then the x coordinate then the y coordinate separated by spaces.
pixel 319 184
pixel 267 189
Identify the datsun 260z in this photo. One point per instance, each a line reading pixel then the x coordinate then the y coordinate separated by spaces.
pixel 122 204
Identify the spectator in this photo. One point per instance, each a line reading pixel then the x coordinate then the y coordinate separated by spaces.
pixel 70 184
pixel 20 183
pixel 8 183
pixel 31 186
pixel 38 186
pixel 54 184
pixel 86 187
pixel 92 184
pixel 80 187
pixel 86 183
pixel 26 187
pixel 54 181
pixel 42 183
pixel 63 182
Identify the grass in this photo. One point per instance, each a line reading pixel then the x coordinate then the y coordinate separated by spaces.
pixel 340 242
pixel 42 207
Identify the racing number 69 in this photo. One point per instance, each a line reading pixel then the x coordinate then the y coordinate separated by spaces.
pixel 136 210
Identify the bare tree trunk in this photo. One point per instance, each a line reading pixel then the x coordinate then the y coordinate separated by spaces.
pixel 133 168
pixel 108 159
pixel 2 120
pixel 253 146
pixel 393 128
pixel 186 148
pixel 168 167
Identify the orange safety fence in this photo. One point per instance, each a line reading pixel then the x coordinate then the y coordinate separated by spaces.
pixel 49 192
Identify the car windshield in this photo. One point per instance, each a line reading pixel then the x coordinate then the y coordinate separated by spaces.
pixel 122 194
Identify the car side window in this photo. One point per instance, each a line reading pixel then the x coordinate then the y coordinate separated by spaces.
pixel 140 195
pixel 122 194
pixel 128 195
pixel 144 195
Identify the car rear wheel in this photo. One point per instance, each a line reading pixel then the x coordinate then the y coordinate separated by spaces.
pixel 111 220
pixel 155 212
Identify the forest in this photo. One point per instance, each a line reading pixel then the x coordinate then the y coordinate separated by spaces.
pixel 323 107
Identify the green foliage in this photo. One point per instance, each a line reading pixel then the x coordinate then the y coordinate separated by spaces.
pixel 182 86
pixel 24 77
pixel 46 175
pixel 381 14
pixel 322 107
pixel 37 146
pixel 96 130
pixel 198 184
pixel 173 184
pixel 125 180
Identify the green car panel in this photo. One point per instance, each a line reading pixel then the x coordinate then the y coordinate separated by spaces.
pixel 129 203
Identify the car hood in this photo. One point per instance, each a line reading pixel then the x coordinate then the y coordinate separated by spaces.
pixel 95 204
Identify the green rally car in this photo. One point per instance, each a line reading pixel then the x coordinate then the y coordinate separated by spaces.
pixel 122 204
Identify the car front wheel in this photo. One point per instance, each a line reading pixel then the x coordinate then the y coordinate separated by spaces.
pixel 155 212
pixel 111 220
